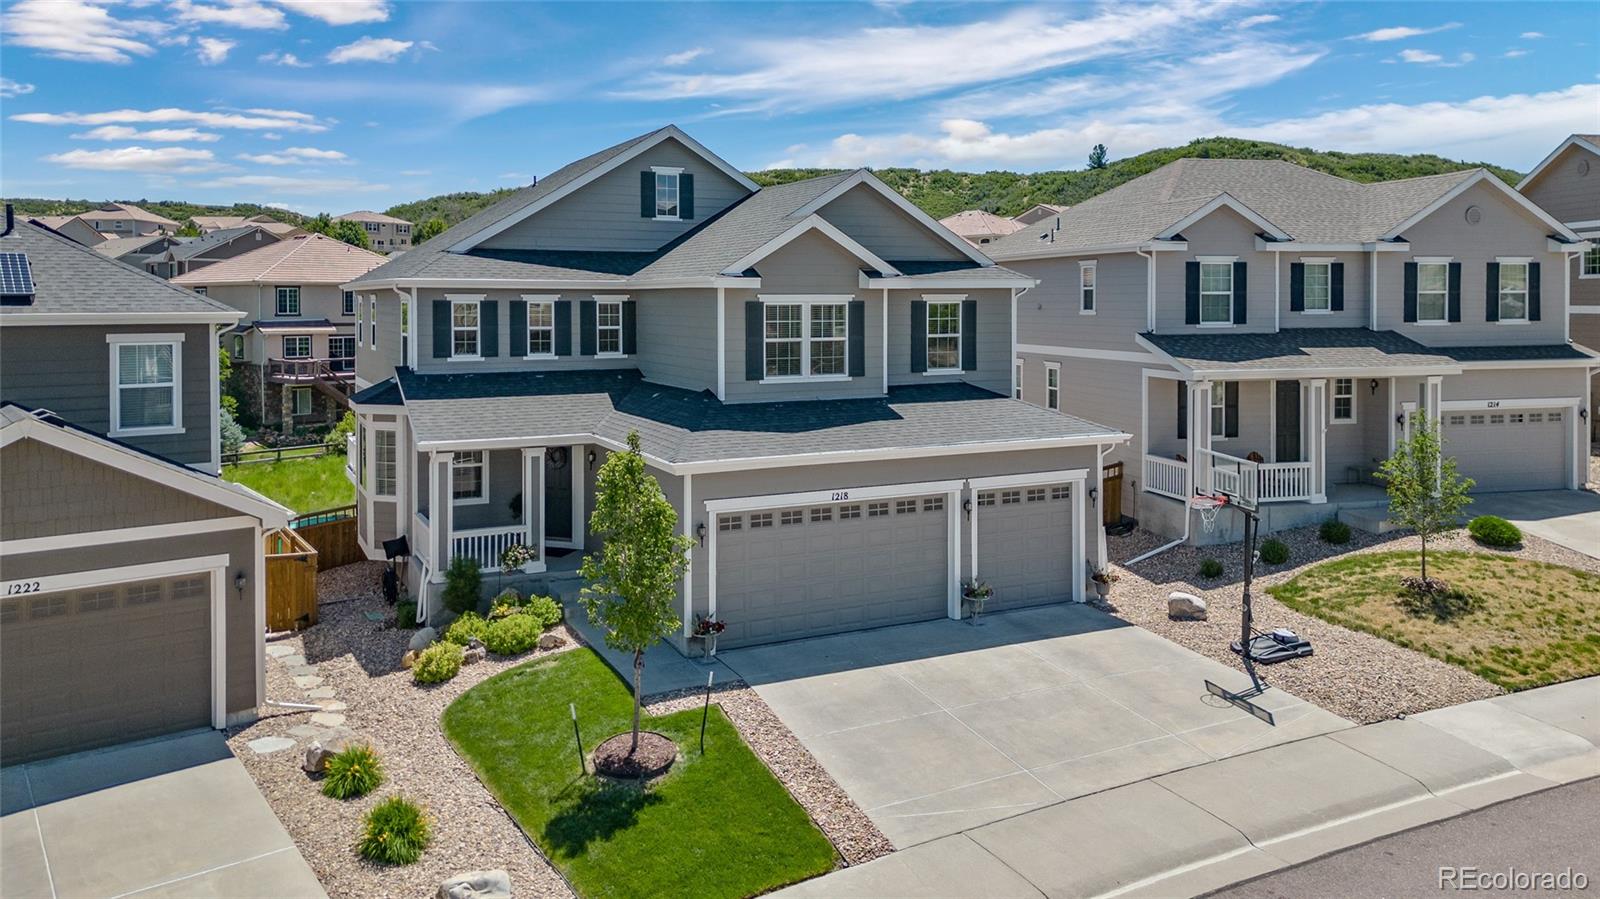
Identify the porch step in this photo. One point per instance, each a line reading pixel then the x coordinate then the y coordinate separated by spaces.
pixel 1374 520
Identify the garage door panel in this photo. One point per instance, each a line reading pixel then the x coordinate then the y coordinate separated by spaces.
pixel 1025 544
pixel 1522 449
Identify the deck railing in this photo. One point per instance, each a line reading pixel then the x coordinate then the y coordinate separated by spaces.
pixel 1168 477
pixel 310 369
pixel 1284 481
pixel 484 545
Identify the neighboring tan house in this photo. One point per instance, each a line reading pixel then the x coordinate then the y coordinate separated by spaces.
pixel 820 374
pixel 73 226
pixel 192 253
pixel 294 351
pixel 136 251
pixel 386 233
pixel 1263 327
pixel 128 220
pixel 1038 212
pixel 210 223
pixel 132 597
pixel 1567 185
pixel 978 227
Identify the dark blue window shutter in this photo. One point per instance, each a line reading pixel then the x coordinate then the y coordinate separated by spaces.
pixel 563 327
pixel 1533 291
pixel 1455 291
pixel 856 352
pixel 489 328
pixel 647 195
pixel 441 329
pixel 919 335
pixel 969 335
pixel 519 328
pixel 754 345
pixel 686 196
pixel 1411 292
pixel 586 328
pixel 1183 410
pixel 1491 292
pixel 1336 286
pixel 1191 293
pixel 1230 410
pixel 1297 287
pixel 630 328
pixel 1240 299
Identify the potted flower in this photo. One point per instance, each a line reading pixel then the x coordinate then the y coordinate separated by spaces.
pixel 706 630
pixel 975 594
pixel 1103 578
pixel 517 557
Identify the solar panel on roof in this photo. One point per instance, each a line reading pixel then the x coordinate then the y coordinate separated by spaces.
pixel 16 278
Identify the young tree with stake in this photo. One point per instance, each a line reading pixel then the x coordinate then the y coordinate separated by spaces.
pixel 1425 492
pixel 632 582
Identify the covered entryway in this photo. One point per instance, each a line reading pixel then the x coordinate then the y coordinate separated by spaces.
pixel 1024 545
pixel 1510 449
pixel 106 662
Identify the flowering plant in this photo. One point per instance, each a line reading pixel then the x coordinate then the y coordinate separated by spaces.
pixel 517 555
pixel 975 589
pixel 706 626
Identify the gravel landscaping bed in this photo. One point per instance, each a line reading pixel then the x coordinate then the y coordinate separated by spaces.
pixel 1354 675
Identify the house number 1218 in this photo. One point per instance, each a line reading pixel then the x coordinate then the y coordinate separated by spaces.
pixel 839 495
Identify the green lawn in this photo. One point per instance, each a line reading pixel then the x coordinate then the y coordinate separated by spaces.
pixel 304 485
pixel 717 825
pixel 1514 622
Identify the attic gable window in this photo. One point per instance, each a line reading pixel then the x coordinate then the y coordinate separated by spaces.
pixel 667 183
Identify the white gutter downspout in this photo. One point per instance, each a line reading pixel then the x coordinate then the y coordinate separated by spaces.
pixel 1372 293
pixel 1277 290
pixel 405 339
pixel 1150 289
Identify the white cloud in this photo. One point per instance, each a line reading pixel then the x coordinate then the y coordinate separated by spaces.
pixel 415 173
pixel 282 59
pixel 294 156
pixel 369 49
pixel 683 58
pixel 1419 56
pixel 138 159
pixel 1401 32
pixel 1253 21
pixel 9 88
pixel 159 135
pixel 339 12
pixel 1514 53
pixel 79 30
pixel 213 50
pixel 1532 35
pixel 233 13
pixel 256 120
pixel 294 186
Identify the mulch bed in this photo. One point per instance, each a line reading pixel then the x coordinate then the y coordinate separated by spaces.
pixel 655 755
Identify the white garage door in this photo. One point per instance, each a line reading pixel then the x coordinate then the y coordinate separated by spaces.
pixel 806 570
pixel 1521 449
pixel 1025 544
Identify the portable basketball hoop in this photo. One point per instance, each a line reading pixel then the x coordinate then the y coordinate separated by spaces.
pixel 1209 505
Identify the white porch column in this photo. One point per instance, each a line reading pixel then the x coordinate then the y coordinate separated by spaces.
pixel 533 497
pixel 952 581
pixel 686 527
pixel 1432 398
pixel 1200 436
pixel 1079 569
pixel 1316 416
pixel 439 517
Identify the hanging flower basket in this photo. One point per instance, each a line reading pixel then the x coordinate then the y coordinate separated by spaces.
pixel 517 557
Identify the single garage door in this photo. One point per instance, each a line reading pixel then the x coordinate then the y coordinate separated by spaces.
pixel 797 572
pixel 105 665
pixel 1025 544
pixel 1523 449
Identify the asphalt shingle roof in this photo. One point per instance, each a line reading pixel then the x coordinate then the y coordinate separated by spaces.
pixel 199 245
pixel 1339 348
pixel 118 247
pixel 683 426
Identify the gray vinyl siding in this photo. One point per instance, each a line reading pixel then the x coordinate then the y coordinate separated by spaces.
pixel 1504 230
pixel 1511 383
pixel 67 369
pixel 678 338
pixel 1363 443
pixel 375 364
pixel 1585 292
pixel 604 214
pixel 1565 193
pixel 875 222
pixel 1357 289
pixel 238 246
pixel 1048 315
pixel 423 328
pixel 505 482
pixel 1222 233
pixel 994 339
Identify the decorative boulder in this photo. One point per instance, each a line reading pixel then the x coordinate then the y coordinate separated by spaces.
pixel 422 639
pixel 474 654
pixel 409 659
pixel 552 641
pixel 477 885
pixel 1185 607
pixel 324 748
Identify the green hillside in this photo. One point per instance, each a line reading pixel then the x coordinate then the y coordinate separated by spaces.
pixel 177 210
pixel 451 208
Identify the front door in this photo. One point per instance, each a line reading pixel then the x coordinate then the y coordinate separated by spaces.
pixel 558 494
pixel 1287 440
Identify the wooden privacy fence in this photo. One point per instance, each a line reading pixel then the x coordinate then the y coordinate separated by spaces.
pixel 332 533
pixel 279 453
pixel 1111 494
pixel 291 581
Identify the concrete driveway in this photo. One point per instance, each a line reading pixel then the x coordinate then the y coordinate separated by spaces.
pixel 940 727
pixel 1568 517
pixel 171 817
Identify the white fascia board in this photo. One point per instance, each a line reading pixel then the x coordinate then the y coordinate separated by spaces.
pixel 1264 374
pixel 538 285
pixel 1555 246
pixel 130 318
pixel 896 453
pixel 862 176
pixel 1069 352
pixel 805 226
pixel 1353 246
pixel 1051 251
pixel 1217 202
pixel 671 132
pixel 1162 355
pixel 1482 176
pixel 1573 141
pixel 843 494
pixel 1588 360
pixel 951 283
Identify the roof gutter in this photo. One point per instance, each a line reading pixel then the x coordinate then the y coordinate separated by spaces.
pixel 551 284
pixel 1149 246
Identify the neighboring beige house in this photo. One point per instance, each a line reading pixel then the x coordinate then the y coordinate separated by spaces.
pixel 73 226
pixel 977 227
pixel 187 254
pixel 294 351
pixel 1038 212
pixel 209 223
pixel 128 220
pixel 135 251
pixel 1567 185
pixel 386 233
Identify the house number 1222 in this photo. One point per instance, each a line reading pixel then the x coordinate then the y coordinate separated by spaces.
pixel 19 587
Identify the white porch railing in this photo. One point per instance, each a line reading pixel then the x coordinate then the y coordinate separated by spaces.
pixel 421 537
pixel 1231 474
pixel 1284 481
pixel 1168 477
pixel 484 545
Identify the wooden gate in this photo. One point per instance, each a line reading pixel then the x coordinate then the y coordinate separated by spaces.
pixel 332 533
pixel 291 581
pixel 1111 494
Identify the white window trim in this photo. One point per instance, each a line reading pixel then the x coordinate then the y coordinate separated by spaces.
pixel 1583 275
pixel 1499 299
pixel 1089 265
pixel 354 299
pixel 372 319
pixel 1216 260
pixel 465 301
pixel 548 299
pixel 929 299
pixel 1324 261
pixel 677 173
pixel 302 392
pixel 277 306
pixel 1333 395
pixel 805 302
pixel 617 299
pixel 113 341
pixel 361 322
pixel 1219 400
pixel 1052 393
pixel 1016 389
pixel 283 343
pixel 483 481
pixel 1433 260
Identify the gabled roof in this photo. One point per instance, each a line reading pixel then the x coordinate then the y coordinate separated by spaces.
pixel 136 213
pixel 1590 142
pixel 305 259
pixel 198 246
pixel 367 215
pixel 118 247
pixel 1357 352
pixel 970 223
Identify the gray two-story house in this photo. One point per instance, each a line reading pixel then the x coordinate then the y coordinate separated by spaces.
pixel 132 591
pixel 820 374
pixel 1263 328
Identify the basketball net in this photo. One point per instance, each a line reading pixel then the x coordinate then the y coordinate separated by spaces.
pixel 1208 505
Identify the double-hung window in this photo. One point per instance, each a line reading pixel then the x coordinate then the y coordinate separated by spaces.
pixel 1591 264
pixel 1513 291
pixel 288 301
pixel 1216 293
pixel 468 472
pixel 667 192
pixel 297 346
pixel 1219 409
pixel 1016 380
pixel 1086 293
pixel 1433 291
pixel 372 322
pixel 608 327
pixel 349 302
pixel 1344 399
pixel 383 462
pixel 145 372
pixel 944 335
pixel 542 328
pixel 1052 386
pixel 1318 286
pixel 464 329
pixel 805 338
pixel 342 353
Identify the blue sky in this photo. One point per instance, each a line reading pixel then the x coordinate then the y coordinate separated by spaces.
pixel 342 104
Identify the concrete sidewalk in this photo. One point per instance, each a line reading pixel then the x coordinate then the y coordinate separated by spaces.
pixel 1199 829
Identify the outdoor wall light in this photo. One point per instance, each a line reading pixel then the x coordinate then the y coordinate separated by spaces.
pixel 1400 419
pixel 1372 385
pixel 1094 494
pixel 966 506
pixel 238 583
pixel 1583 414
pixel 591 458
pixel 700 531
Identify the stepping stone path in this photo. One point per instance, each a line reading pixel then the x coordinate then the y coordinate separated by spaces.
pixel 266 745
pixel 321 725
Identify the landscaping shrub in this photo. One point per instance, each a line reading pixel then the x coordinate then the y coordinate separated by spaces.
pixel 1492 530
pixel 396 832
pixel 231 434
pixel 438 663
pixel 543 609
pixel 509 602
pixel 462 585
pixel 339 436
pixel 463 629
pixel 1274 552
pixel 1210 568
pixel 512 635
pixel 405 614
pixel 354 772
pixel 1334 531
